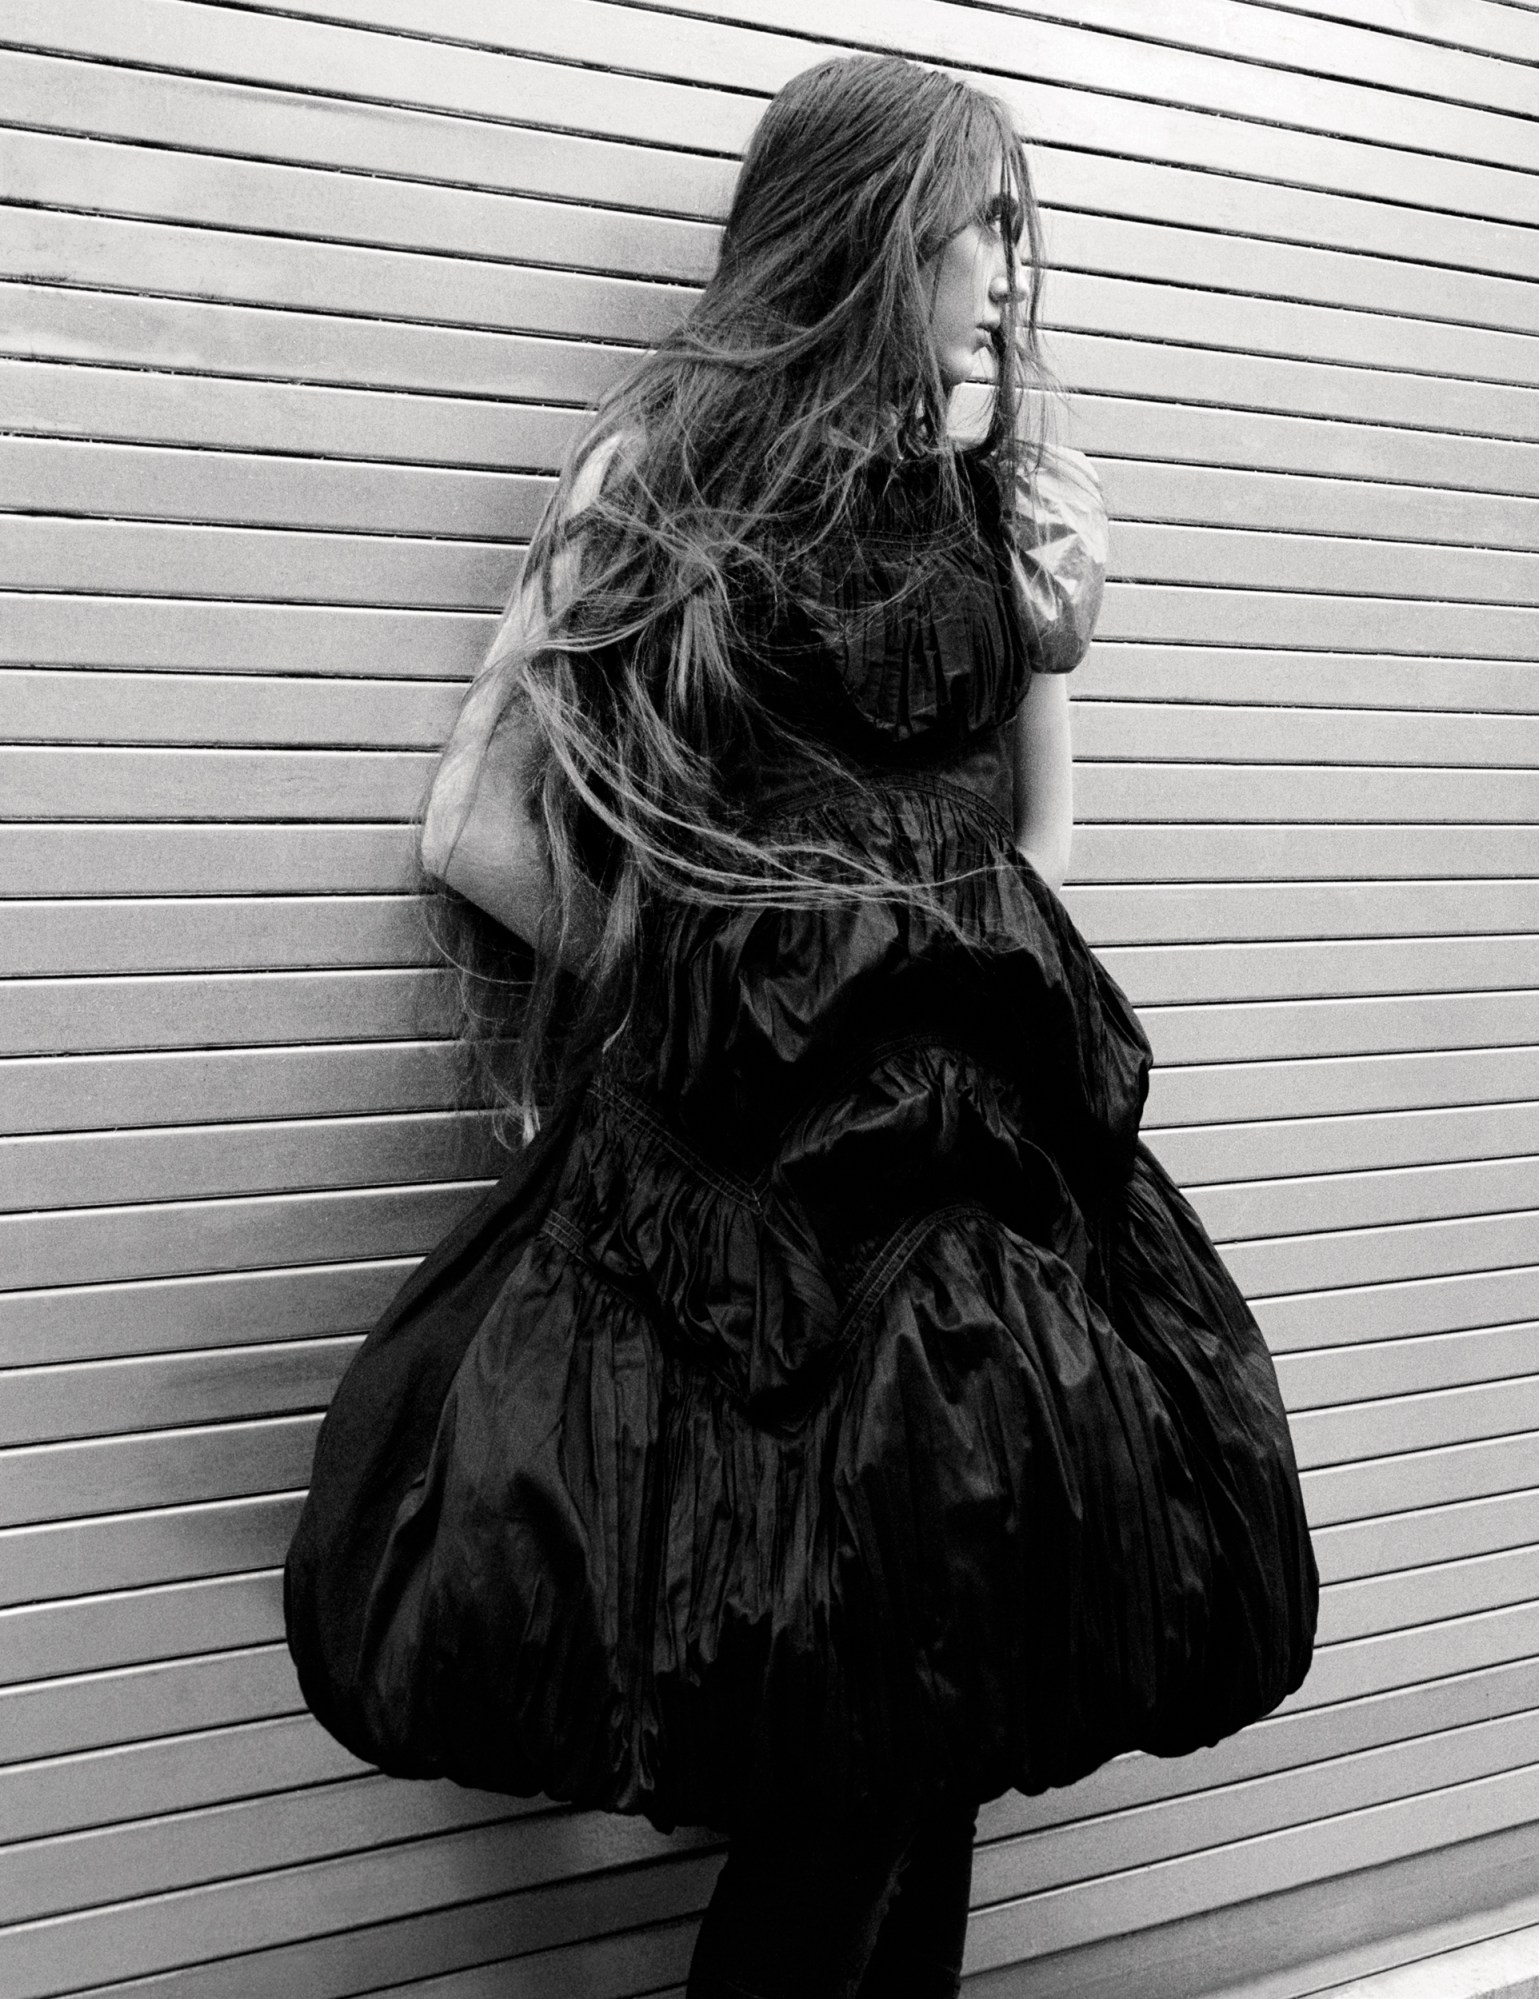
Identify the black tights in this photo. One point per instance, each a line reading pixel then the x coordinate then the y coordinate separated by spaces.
pixel 870 1911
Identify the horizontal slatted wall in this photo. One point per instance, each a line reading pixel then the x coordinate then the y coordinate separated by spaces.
pixel 299 308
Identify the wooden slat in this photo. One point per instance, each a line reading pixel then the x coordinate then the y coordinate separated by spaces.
pixel 1228 1093
pixel 214 708
pixel 1121 361
pixel 100 1168
pixel 1406 1658
pixel 1417 1596
pixel 1429 1421
pixel 154 1545
pixel 151 482
pixel 171 1315
pixel 1036 1862
pixel 1260 1030
pixel 170 1774
pixel 121 1864
pixel 137 1703
pixel 1069 182
pixel 1138 1899
pixel 107 859
pixel 1459 71
pixel 56 630
pixel 1214 497
pixel 1199 1154
pixel 1158 974
pixel 1396 1310
pixel 143 182
pixel 40 1642
pixel 1460 691
pixel 1187 852
pixel 1207 912
pixel 279 1377
pixel 177 1238
pixel 1391 1255
pixel 237 266
pixel 256 564
pixel 169 1011
pixel 1434 1533
pixel 1488 25
pixel 1197 732
pixel 1259 793
pixel 86 1093
pixel 198 337
pixel 1360 1200
pixel 156 1468
pixel 1216 28
pixel 1135 424
pixel 1223 616
pixel 1242 558
pixel 46 939
pixel 1288 1739
pixel 56 783
pixel 1232 266
pixel 1380 1917
pixel 83 401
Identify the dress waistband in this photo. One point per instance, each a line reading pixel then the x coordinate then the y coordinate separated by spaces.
pixel 981 777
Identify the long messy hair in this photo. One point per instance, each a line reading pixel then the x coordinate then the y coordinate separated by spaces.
pixel 723 465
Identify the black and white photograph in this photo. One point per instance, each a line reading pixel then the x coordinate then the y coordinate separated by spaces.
pixel 769 999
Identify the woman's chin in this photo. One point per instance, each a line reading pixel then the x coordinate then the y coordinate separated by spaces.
pixel 969 412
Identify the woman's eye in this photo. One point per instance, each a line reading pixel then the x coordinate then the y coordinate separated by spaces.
pixel 1004 214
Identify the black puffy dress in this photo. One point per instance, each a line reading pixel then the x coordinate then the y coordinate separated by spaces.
pixel 836 1400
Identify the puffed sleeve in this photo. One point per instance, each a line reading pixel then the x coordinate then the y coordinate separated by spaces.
pixel 1059 558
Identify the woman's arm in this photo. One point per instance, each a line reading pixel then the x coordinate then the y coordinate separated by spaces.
pixel 479 832
pixel 1044 777
pixel 1060 565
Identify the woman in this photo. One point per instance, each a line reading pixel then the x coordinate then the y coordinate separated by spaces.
pixel 835 1417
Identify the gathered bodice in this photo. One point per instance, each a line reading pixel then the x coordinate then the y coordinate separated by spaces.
pixel 902 644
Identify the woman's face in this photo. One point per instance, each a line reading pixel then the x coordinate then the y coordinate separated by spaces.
pixel 972 278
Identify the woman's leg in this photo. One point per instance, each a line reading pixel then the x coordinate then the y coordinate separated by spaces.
pixel 796 1911
pixel 918 1952
pixel 802 1911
